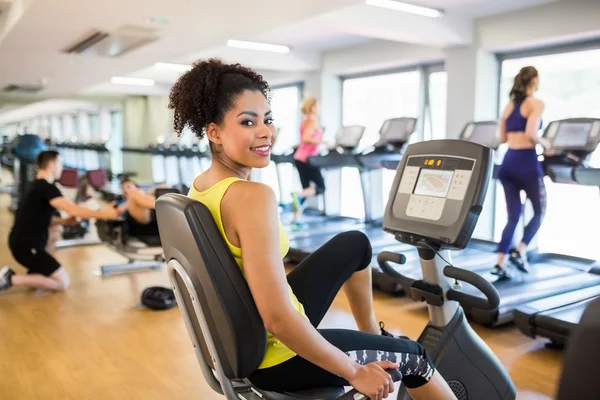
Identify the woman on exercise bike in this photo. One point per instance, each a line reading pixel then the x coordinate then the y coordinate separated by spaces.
pixel 520 169
pixel 230 105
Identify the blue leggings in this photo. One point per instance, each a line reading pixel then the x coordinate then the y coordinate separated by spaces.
pixel 519 171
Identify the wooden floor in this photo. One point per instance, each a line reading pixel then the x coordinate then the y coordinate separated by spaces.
pixel 95 342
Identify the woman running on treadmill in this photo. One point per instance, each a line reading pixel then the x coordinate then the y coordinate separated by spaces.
pixel 230 105
pixel 520 169
pixel 311 135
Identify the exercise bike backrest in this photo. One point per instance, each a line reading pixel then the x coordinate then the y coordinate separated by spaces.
pixel 211 291
pixel 220 315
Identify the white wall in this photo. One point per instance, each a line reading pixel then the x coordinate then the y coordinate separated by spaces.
pixel 550 23
pixel 472 87
pixel 328 89
pixel 135 129
pixel 159 119
pixel 378 55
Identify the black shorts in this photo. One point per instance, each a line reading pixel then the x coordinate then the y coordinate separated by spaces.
pixel 34 258
pixel 135 228
pixel 316 281
pixel 309 173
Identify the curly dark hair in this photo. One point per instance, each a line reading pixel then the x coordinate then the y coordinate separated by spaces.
pixel 205 93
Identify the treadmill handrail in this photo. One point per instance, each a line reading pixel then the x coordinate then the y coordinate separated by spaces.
pixel 587 176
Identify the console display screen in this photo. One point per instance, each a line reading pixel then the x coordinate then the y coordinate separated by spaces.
pixel 572 134
pixel 433 183
pixel 485 135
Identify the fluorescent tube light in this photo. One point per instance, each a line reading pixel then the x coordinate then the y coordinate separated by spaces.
pixel 172 67
pixel 121 80
pixel 409 8
pixel 258 46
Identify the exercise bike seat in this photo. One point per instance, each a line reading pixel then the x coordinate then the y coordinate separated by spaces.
pixel 222 320
pixel 311 394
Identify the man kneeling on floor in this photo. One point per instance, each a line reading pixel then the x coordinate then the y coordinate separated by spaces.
pixel 34 225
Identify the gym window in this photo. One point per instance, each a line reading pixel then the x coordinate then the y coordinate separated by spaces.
pixel 569 87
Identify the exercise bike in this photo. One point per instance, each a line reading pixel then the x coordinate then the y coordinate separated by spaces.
pixel 434 204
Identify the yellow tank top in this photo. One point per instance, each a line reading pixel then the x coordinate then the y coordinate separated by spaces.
pixel 276 352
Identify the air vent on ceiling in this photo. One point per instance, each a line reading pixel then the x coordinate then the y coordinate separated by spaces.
pixel 28 89
pixel 115 44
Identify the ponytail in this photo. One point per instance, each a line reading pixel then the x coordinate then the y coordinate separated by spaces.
pixel 521 83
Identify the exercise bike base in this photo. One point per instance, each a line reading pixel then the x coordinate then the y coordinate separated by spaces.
pixel 133 266
pixel 466 362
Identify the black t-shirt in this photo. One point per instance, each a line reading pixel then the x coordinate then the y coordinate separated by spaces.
pixel 34 215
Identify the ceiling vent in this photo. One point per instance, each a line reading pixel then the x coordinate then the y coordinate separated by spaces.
pixel 26 89
pixel 115 44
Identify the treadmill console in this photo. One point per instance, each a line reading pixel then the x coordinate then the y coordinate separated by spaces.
pixel 573 134
pixel 482 132
pixel 348 137
pixel 438 193
pixel 397 130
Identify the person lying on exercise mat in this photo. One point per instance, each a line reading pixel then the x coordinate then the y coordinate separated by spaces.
pixel 229 104
pixel 138 208
pixel 33 227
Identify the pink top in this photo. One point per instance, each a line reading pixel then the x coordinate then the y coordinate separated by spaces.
pixel 306 150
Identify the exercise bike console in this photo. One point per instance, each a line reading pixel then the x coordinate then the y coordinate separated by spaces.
pixel 434 204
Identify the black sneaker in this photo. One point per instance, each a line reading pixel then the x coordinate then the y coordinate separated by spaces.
pixel 516 260
pixel 6 277
pixel 500 272
pixel 386 333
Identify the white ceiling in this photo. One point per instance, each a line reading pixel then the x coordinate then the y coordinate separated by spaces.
pixel 33 33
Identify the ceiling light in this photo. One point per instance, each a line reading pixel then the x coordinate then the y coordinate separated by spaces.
pixel 258 46
pixel 409 8
pixel 120 80
pixel 172 67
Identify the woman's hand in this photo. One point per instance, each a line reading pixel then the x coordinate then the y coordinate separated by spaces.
pixel 372 379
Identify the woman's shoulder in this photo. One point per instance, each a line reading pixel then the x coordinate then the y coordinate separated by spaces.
pixel 533 101
pixel 242 193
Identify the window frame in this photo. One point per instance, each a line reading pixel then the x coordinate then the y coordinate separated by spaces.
pixel 424 69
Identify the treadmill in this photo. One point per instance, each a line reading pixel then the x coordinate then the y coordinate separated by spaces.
pixel 478 257
pixel 331 160
pixel 574 140
pixel 550 274
pixel 394 134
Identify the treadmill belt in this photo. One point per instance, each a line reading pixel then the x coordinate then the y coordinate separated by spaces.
pixel 317 228
pixel 554 317
pixel 562 320
pixel 302 246
pixel 544 279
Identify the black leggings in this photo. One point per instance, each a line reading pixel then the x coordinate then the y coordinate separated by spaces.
pixel 316 281
pixel 309 173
